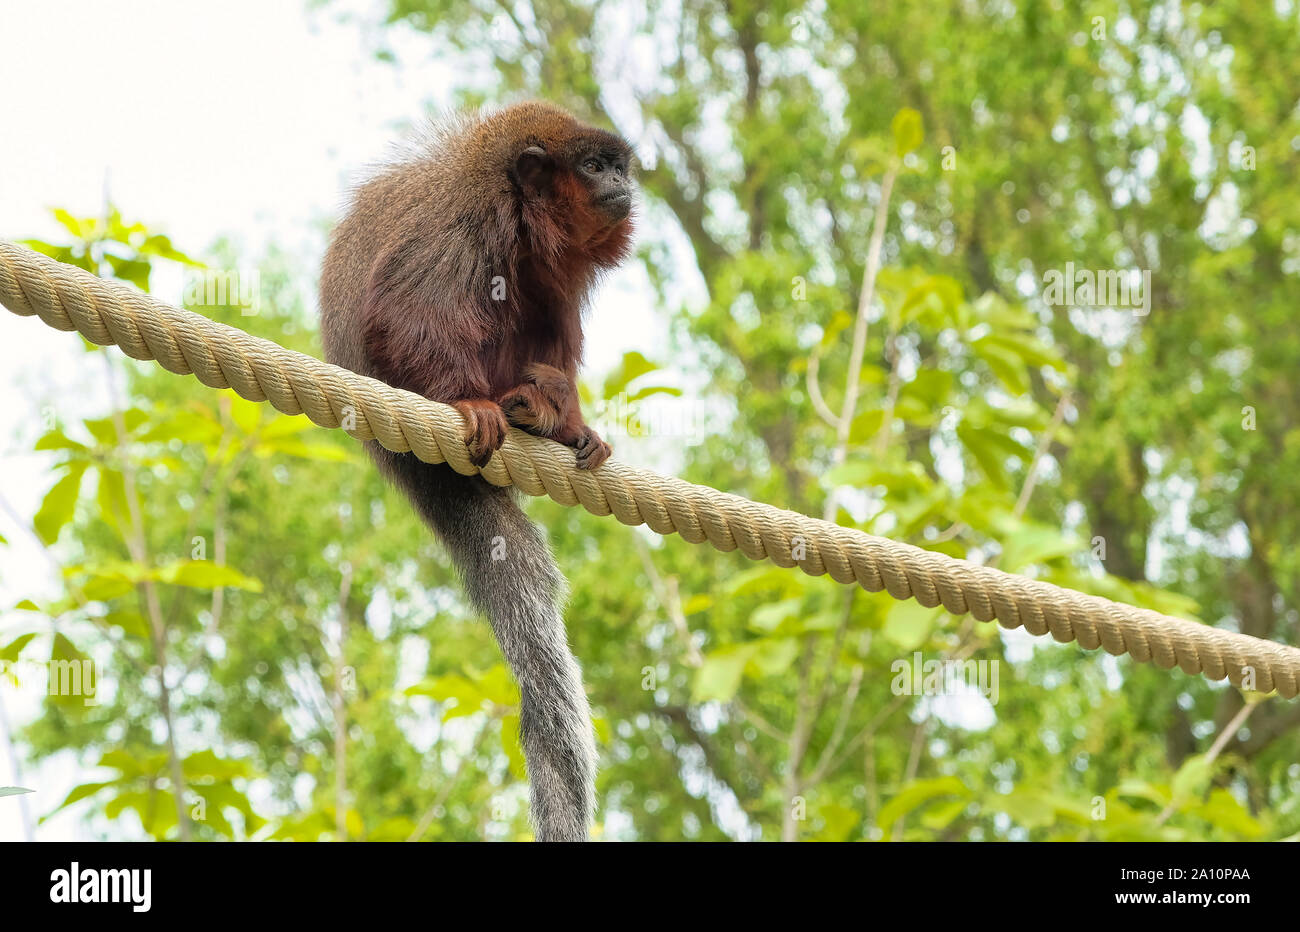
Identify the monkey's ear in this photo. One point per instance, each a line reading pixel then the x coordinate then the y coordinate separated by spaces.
pixel 534 169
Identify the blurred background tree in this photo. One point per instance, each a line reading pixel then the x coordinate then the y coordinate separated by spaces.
pixel 830 171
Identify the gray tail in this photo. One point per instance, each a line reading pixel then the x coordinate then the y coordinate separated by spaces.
pixel 511 577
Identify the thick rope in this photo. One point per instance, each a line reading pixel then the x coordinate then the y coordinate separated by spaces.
pixel 104 312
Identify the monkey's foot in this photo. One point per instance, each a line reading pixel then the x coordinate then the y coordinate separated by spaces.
pixel 592 451
pixel 485 428
pixel 527 408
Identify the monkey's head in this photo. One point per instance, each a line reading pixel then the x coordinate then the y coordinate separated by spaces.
pixel 598 162
pixel 567 173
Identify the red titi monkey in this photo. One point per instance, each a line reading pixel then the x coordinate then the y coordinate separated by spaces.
pixel 460 274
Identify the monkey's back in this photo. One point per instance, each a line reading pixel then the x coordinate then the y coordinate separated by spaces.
pixel 365 232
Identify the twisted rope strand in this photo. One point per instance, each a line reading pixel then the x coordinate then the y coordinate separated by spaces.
pixel 104 312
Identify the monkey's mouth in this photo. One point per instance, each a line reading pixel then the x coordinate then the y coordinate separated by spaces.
pixel 616 205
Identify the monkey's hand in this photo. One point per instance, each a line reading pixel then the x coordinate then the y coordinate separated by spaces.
pixel 540 403
pixel 592 451
pixel 485 428
pixel 546 404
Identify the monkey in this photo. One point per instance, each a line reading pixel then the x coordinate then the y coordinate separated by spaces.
pixel 461 272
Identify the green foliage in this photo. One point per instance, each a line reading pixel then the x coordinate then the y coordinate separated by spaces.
pixel 140 786
pixel 126 250
pixel 1091 447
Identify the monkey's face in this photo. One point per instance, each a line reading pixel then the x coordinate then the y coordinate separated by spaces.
pixel 588 181
pixel 605 175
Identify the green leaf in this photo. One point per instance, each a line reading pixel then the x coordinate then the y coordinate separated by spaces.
pixel 1141 789
pixel 1007 366
pixel 45 249
pixel 224 795
pixel 470 692
pixel 130 622
pixel 772 656
pixel 14 790
pixel 1192 778
pixel 134 271
pixel 353 824
pixel 81 229
pixel 246 414
pixel 908 131
pixel 1226 814
pixel 309 827
pixel 866 425
pixel 398 828
pixel 325 452
pixel 768 617
pixel 59 504
pixel 983 446
pixel 631 367
pixel 649 390
pixel 286 425
pixel 156 809
pixel 855 473
pixel 917 794
pixel 206 763
pixel 699 602
pixel 838 821
pixel 161 246
pixel 719 675
pixel 870 155
pixel 763 578
pixel 1027 808
pixel 110 497
pixel 1029 348
pixel 81 792
pixel 938 817
pixel 498 686
pixel 930 386
pixel 1036 544
pixel 908 624
pixel 15 647
pixel 56 439
pixel 446 687
pixel 105 587
pixel 104 429
pixel 129 764
pixel 212 813
pixel 194 425
pixel 63 649
pixel 204 574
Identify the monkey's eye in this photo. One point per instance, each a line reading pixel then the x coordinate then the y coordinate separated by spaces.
pixel 592 166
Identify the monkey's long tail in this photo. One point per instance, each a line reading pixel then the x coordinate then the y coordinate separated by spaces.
pixel 511 577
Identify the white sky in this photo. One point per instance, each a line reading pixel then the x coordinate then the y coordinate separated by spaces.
pixel 245 118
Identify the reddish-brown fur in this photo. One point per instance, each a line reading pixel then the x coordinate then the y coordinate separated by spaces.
pixel 460 273
pixel 474 292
